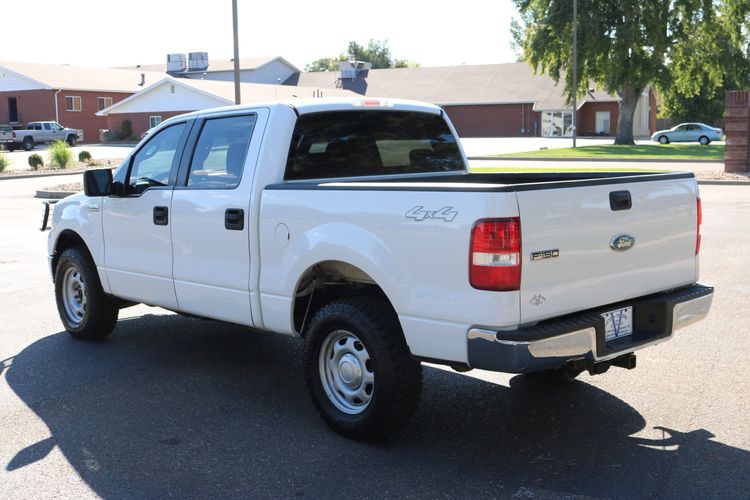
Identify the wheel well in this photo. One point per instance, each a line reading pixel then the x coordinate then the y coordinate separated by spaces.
pixel 67 239
pixel 327 281
pixel 29 138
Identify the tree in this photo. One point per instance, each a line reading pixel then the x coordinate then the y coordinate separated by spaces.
pixel 694 90
pixel 377 52
pixel 623 45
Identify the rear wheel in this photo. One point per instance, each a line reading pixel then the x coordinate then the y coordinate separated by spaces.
pixel 71 140
pixel 28 144
pixel 85 310
pixel 360 373
pixel 663 139
pixel 705 141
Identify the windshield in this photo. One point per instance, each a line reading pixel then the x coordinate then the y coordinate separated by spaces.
pixel 372 142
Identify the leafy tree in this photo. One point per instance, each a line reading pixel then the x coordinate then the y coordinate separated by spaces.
pixel 625 45
pixel 377 52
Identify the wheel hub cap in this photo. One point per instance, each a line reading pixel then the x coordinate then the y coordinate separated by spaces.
pixel 74 299
pixel 346 372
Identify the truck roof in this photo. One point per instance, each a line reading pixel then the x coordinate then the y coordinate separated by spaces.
pixel 317 105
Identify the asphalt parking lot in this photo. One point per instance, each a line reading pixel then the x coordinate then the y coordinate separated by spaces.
pixel 177 407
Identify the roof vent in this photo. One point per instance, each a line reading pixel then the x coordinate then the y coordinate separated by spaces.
pixel 176 63
pixel 198 61
pixel 350 70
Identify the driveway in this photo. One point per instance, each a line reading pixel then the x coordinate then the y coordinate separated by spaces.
pixel 178 407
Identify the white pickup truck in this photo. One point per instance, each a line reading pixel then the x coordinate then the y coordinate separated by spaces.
pixel 356 225
pixel 41 132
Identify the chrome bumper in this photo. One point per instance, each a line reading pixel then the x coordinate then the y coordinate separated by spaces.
pixel 554 343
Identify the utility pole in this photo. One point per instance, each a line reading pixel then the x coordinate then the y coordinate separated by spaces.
pixel 575 69
pixel 237 96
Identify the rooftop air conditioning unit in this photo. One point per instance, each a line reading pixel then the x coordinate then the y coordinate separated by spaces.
pixel 351 69
pixel 176 63
pixel 198 61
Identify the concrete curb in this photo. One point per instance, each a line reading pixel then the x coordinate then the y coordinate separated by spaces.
pixel 600 160
pixel 53 195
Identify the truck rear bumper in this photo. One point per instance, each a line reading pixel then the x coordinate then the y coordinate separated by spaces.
pixel 556 342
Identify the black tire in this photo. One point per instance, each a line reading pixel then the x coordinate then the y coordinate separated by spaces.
pixel 663 139
pixel 397 377
pixel 71 140
pixel 97 315
pixel 28 144
pixel 705 141
pixel 11 147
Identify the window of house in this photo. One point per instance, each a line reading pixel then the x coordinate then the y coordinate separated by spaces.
pixel 72 103
pixel 154 121
pixel 557 124
pixel 219 156
pixel 103 102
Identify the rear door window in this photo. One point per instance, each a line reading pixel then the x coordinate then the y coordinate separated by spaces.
pixel 371 142
pixel 219 156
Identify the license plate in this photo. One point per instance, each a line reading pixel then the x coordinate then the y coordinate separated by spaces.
pixel 618 323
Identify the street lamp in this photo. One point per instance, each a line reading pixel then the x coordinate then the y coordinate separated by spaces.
pixel 237 97
pixel 575 68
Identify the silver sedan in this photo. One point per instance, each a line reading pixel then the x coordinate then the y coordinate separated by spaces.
pixel 688 132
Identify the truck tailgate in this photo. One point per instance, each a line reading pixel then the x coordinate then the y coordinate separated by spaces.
pixel 571 260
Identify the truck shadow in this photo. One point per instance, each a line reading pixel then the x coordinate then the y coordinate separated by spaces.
pixel 170 406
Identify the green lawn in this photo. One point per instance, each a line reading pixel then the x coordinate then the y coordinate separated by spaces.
pixel 498 170
pixel 646 151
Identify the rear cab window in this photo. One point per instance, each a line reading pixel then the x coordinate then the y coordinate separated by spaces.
pixel 371 142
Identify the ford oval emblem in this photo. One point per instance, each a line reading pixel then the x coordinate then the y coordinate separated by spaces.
pixel 622 242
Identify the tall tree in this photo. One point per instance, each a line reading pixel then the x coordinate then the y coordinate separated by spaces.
pixel 623 45
pixel 377 52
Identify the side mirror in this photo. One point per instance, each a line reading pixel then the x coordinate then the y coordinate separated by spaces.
pixel 97 182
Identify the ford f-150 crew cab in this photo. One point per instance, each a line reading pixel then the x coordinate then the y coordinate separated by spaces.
pixel 356 225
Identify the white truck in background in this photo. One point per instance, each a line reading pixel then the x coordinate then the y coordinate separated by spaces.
pixel 356 225
pixel 42 132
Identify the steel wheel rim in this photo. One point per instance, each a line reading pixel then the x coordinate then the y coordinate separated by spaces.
pixel 346 372
pixel 74 298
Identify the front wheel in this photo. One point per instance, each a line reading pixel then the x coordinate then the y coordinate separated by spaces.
pixel 85 310
pixel 663 140
pixel 360 373
pixel 705 141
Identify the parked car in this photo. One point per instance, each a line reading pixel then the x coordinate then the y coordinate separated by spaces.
pixel 688 132
pixel 6 136
pixel 41 132
pixel 355 224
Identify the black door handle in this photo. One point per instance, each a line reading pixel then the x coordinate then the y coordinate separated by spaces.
pixel 161 216
pixel 234 219
pixel 620 200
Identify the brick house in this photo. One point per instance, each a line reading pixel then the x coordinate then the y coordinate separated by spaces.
pixel 70 95
pixel 492 100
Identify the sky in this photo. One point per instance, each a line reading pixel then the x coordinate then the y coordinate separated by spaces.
pixel 119 33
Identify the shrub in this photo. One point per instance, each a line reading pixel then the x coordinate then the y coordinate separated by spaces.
pixel 84 156
pixel 111 136
pixel 126 128
pixel 3 162
pixel 94 163
pixel 36 161
pixel 60 153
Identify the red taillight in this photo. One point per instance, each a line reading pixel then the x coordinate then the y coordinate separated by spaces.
pixel 14 135
pixel 495 255
pixel 698 230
